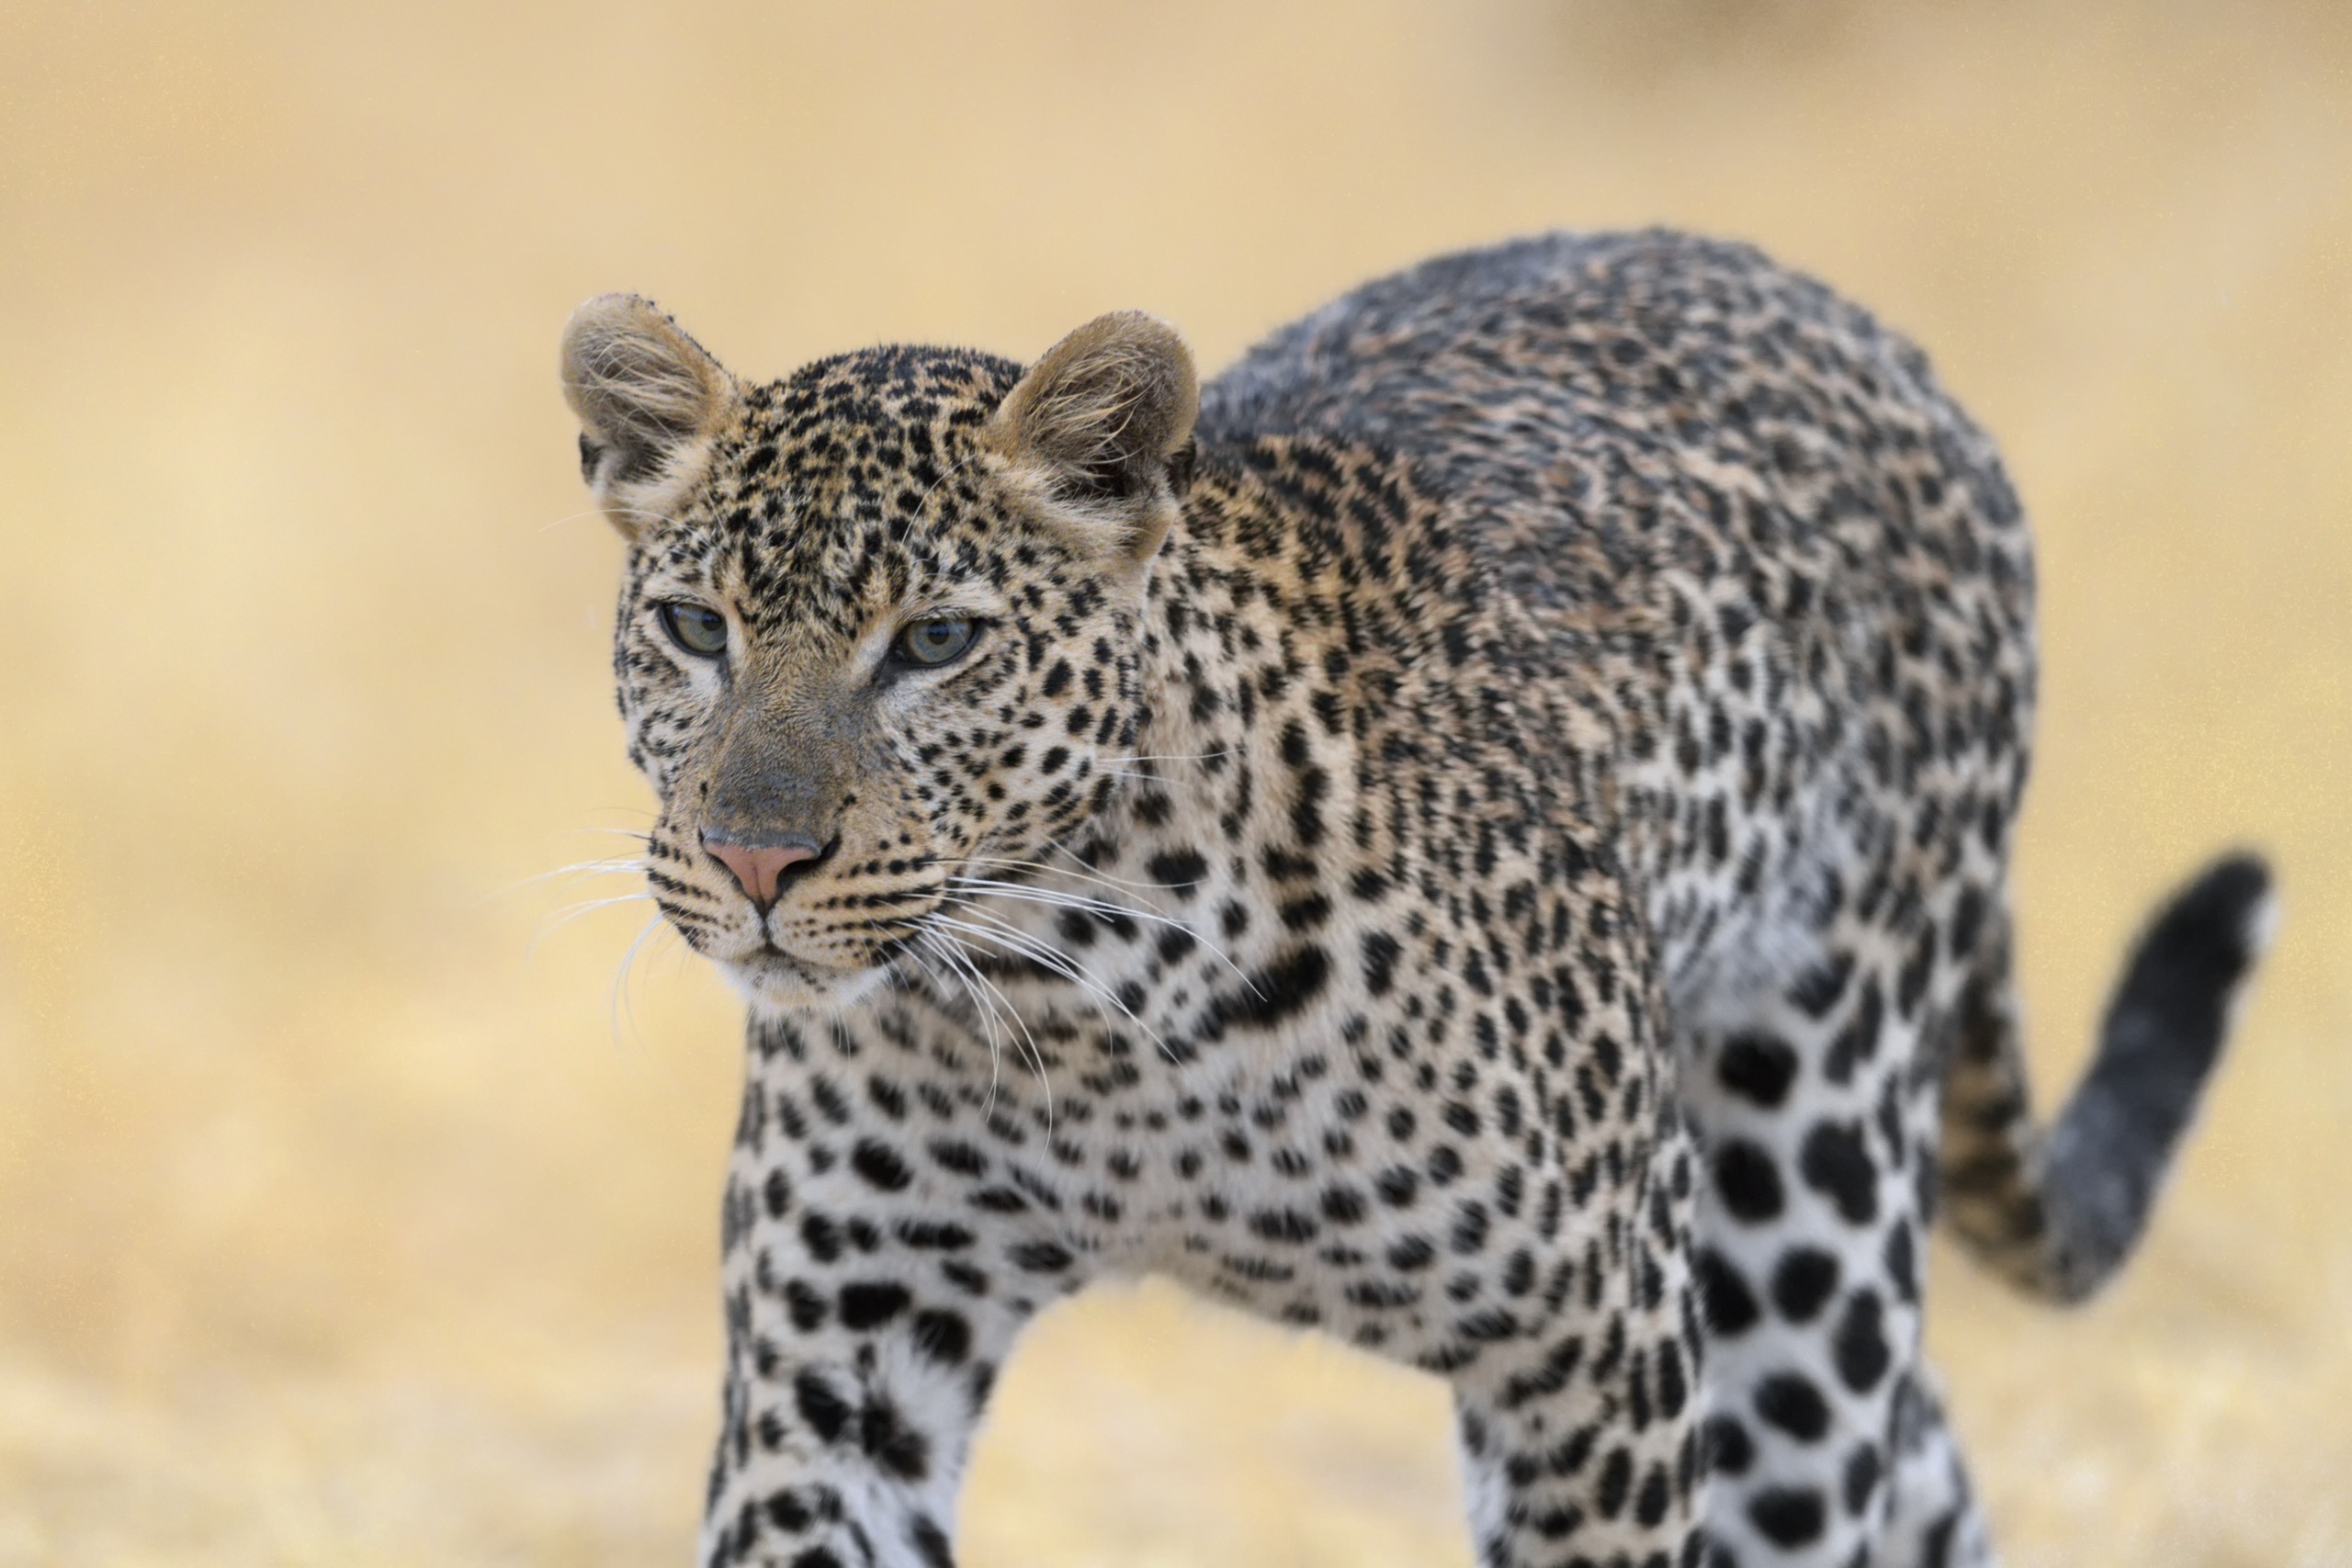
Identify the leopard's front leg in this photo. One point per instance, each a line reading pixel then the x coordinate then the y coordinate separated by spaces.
pixel 883 1247
pixel 1580 1436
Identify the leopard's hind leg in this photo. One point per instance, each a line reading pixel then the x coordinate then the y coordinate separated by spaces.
pixel 1932 1517
pixel 1818 1128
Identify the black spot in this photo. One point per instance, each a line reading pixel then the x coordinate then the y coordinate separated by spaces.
pixel 1040 1257
pixel 789 1511
pixel 1801 1281
pixel 1967 924
pixel 944 1336
pixel 879 1166
pixel 807 1307
pixel 887 1438
pixel 873 1304
pixel 1306 810
pixel 1787 1517
pixel 1858 1041
pixel 1177 868
pixel 1343 1206
pixel 1304 914
pixel 1673 1386
pixel 934 1235
pixel 1749 1182
pixel 1283 1225
pixel 826 1412
pixel 930 1543
pixel 1380 952
pixel 1789 1401
pixel 1649 1506
pixel 960 1158
pixel 1275 991
pixel 1836 1165
pixel 1410 1253
pixel 1616 1483
pixel 1488 1327
pixel 1730 1451
pixel 1397 1186
pixel 1758 1068
pixel 1860 1343
pixel 1817 989
pixel 1861 1477
pixel 1901 1261
pixel 1730 1305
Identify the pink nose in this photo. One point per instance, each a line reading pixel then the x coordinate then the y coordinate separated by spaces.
pixel 757 868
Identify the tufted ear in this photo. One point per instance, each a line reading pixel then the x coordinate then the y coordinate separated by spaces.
pixel 649 398
pixel 1100 429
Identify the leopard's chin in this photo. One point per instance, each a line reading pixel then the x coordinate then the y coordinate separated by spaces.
pixel 776 983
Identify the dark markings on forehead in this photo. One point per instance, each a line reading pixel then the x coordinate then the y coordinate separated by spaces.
pixel 850 477
pixel 858 418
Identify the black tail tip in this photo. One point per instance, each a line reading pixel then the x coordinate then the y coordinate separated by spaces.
pixel 2222 922
pixel 2187 966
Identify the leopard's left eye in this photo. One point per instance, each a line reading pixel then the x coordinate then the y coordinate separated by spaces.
pixel 928 643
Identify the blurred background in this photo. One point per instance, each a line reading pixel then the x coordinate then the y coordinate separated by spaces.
pixel 354 1210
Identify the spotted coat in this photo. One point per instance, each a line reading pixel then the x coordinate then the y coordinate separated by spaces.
pixel 1488 843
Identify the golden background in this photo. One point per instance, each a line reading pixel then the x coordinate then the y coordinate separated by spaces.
pixel 344 1221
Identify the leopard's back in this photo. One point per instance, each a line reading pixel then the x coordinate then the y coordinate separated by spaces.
pixel 1745 518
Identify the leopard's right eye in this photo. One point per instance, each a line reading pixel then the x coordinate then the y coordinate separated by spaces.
pixel 698 628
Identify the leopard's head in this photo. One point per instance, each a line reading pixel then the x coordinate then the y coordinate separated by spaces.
pixel 881 626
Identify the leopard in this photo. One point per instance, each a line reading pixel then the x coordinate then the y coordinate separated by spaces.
pixel 1482 832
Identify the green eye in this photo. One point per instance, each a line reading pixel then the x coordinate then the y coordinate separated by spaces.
pixel 934 642
pixel 697 629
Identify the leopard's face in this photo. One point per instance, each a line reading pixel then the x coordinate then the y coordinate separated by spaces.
pixel 871 651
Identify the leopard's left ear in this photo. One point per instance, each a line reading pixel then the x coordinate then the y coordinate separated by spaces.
pixel 1100 430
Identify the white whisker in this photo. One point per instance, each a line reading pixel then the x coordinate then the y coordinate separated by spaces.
pixel 1170 757
pixel 553 923
pixel 578 868
pixel 959 966
pixel 620 981
pixel 1037 1056
pixel 1054 898
pixel 1022 944
pixel 1084 873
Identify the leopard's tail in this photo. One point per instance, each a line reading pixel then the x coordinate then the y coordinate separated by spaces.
pixel 2057 1209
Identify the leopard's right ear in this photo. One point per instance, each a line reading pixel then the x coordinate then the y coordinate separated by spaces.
pixel 649 398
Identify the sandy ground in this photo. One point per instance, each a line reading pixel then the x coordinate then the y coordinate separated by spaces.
pixel 352 1212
